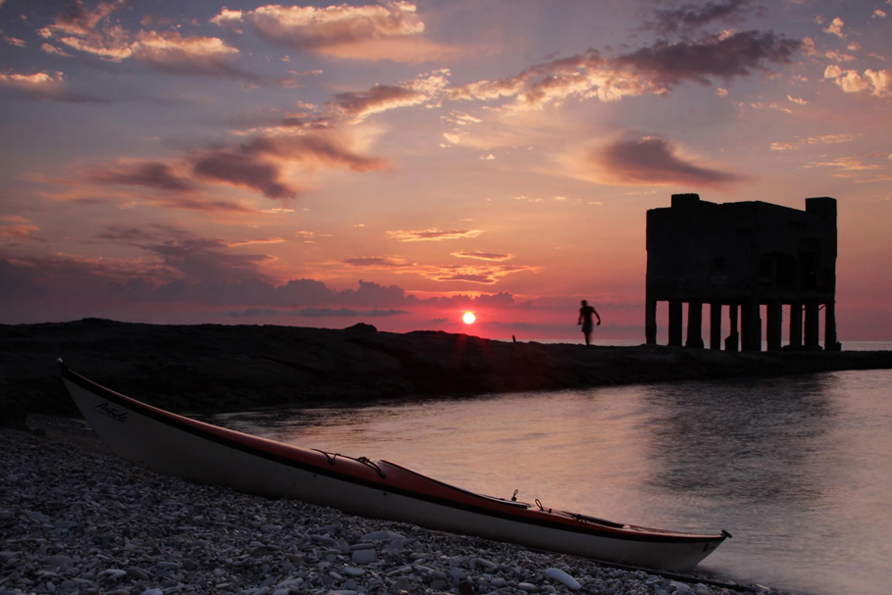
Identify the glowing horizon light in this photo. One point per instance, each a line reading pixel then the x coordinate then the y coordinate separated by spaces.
pixel 468 318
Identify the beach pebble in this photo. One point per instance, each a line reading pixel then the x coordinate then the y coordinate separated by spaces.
pixel 562 577
pixel 59 560
pixel 324 540
pixel 401 584
pixel 680 588
pixel 380 536
pixel 364 557
pixel 98 524
pixel 362 546
pixel 483 564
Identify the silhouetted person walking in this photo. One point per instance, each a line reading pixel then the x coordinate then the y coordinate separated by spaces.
pixel 585 319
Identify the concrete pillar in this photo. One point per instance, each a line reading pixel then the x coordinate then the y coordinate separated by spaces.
pixel 650 321
pixel 751 325
pixel 830 342
pixel 675 323
pixel 796 325
pixel 773 326
pixel 812 339
pixel 695 325
pixel 732 343
pixel 715 325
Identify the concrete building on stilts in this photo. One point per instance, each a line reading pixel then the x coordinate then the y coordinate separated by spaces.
pixel 743 259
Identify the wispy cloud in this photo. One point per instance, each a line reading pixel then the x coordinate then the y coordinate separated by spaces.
pixel 91 32
pixel 16 227
pixel 486 274
pixel 315 313
pixel 483 274
pixel 689 17
pixel 149 174
pixel 357 106
pixel 240 243
pixel 433 234
pixel 258 164
pixel 651 160
pixel 491 256
pixel 133 235
pixel 722 55
pixel 51 49
pixel 650 70
pixel 847 167
pixel 208 259
pixel 824 139
pixel 378 262
pixel 43 86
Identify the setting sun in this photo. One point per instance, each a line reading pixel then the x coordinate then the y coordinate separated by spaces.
pixel 468 318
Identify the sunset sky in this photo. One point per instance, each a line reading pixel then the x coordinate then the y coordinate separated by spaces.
pixel 400 163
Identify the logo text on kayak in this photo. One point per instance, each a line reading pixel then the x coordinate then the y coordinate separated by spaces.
pixel 112 412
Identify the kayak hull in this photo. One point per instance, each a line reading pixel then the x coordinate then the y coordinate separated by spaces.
pixel 171 444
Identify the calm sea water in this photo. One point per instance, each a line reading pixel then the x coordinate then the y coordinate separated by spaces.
pixel 798 469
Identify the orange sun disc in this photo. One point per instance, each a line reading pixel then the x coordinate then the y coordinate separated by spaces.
pixel 468 318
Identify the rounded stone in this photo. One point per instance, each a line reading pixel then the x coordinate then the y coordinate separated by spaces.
pixel 364 557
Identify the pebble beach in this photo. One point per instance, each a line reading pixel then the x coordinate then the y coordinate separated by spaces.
pixel 74 518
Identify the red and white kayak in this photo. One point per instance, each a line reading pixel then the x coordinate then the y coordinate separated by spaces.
pixel 203 453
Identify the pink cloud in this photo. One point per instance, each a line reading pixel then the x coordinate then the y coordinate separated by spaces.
pixel 173 52
pixel 433 234
pixel 43 86
pixel 835 28
pixel 371 32
pixel 378 262
pixel 91 32
pixel 15 227
pixel 359 105
pixel 486 274
pixel 51 49
pixel 477 255
pixel 876 82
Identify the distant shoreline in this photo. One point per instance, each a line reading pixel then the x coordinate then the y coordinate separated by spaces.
pixel 222 367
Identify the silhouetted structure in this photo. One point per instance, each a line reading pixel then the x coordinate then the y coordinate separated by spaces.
pixel 743 255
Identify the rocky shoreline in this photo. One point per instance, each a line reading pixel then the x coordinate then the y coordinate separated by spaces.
pixel 76 519
pixel 218 367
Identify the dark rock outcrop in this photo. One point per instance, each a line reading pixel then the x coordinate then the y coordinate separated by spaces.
pixel 217 367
